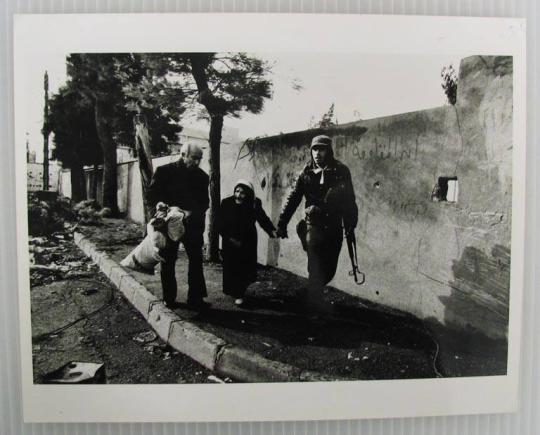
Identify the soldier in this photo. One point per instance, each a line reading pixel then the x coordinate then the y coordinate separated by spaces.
pixel 330 209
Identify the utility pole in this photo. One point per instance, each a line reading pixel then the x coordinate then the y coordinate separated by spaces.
pixel 45 132
pixel 27 148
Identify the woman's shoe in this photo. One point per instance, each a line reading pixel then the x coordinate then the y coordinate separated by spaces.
pixel 239 301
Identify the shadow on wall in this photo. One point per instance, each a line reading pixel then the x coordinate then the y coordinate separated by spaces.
pixel 480 291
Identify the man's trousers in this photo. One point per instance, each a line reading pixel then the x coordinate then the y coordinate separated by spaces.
pixel 193 243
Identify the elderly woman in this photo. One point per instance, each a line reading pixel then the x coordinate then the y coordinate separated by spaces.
pixel 236 223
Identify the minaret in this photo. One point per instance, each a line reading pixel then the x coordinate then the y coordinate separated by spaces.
pixel 45 132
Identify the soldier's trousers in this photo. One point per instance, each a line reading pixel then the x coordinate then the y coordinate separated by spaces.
pixel 323 245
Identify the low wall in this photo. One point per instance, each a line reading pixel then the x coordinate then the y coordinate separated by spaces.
pixel 442 260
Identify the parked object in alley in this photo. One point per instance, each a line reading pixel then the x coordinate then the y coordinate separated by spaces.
pixel 77 373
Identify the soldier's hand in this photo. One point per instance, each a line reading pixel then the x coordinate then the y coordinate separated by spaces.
pixel 349 231
pixel 282 233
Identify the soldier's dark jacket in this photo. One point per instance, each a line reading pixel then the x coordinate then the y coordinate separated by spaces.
pixel 334 198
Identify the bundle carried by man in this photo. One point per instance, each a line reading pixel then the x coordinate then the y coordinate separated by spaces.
pixel 167 223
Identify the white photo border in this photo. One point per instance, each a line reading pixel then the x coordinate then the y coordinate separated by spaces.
pixel 259 33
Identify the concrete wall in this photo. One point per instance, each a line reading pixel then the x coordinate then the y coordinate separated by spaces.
pixel 438 260
pixel 129 185
pixel 34 176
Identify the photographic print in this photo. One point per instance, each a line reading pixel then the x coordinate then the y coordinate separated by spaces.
pixel 305 221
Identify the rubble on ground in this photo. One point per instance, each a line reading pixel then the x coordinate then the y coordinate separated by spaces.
pixel 56 258
pixel 48 216
pixel 89 212
pixel 145 337
pixel 51 223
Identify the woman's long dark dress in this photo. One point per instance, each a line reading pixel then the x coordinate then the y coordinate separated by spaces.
pixel 237 221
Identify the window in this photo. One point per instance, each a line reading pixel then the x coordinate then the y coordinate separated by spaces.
pixel 446 189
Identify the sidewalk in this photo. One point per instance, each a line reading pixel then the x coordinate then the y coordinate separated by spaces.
pixel 271 339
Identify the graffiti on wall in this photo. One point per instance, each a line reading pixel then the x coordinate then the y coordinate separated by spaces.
pixel 392 147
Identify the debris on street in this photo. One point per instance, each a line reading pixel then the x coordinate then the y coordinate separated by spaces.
pixel 77 373
pixel 89 212
pixel 47 217
pixel 215 379
pixel 145 337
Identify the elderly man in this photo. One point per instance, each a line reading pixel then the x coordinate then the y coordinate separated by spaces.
pixel 329 210
pixel 183 184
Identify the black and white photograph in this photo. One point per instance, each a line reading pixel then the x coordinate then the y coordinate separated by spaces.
pixel 234 217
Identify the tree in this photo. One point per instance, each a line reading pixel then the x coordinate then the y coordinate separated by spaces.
pixel 94 78
pixel 118 87
pixel 227 85
pixel 449 83
pixel 71 119
pixel 156 104
pixel 327 120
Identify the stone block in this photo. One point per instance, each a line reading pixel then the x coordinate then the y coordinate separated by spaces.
pixel 129 286
pixel 142 300
pixel 117 274
pixel 82 243
pixel 77 238
pixel 106 264
pixel 248 366
pixel 192 341
pixel 161 319
pixel 95 255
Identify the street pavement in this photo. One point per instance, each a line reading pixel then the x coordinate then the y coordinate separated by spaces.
pixel 78 315
pixel 350 338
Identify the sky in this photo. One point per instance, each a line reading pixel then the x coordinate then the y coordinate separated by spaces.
pixel 361 86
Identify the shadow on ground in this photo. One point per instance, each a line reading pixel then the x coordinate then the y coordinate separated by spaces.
pixel 350 337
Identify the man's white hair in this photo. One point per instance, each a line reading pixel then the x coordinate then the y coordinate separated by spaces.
pixel 190 148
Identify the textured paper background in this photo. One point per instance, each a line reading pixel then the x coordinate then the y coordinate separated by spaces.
pixel 10 416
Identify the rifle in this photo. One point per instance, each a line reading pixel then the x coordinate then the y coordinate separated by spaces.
pixel 351 246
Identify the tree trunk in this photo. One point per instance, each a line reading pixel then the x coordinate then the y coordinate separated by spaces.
pixel 78 184
pixel 216 127
pixel 144 155
pixel 216 109
pixel 108 146
pixel 94 182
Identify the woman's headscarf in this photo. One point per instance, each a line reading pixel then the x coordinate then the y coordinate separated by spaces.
pixel 246 184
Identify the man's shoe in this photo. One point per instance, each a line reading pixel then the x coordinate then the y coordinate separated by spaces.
pixel 199 305
pixel 172 305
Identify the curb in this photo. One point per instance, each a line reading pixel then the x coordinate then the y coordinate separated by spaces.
pixel 207 349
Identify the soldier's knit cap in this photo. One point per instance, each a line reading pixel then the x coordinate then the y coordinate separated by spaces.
pixel 321 141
